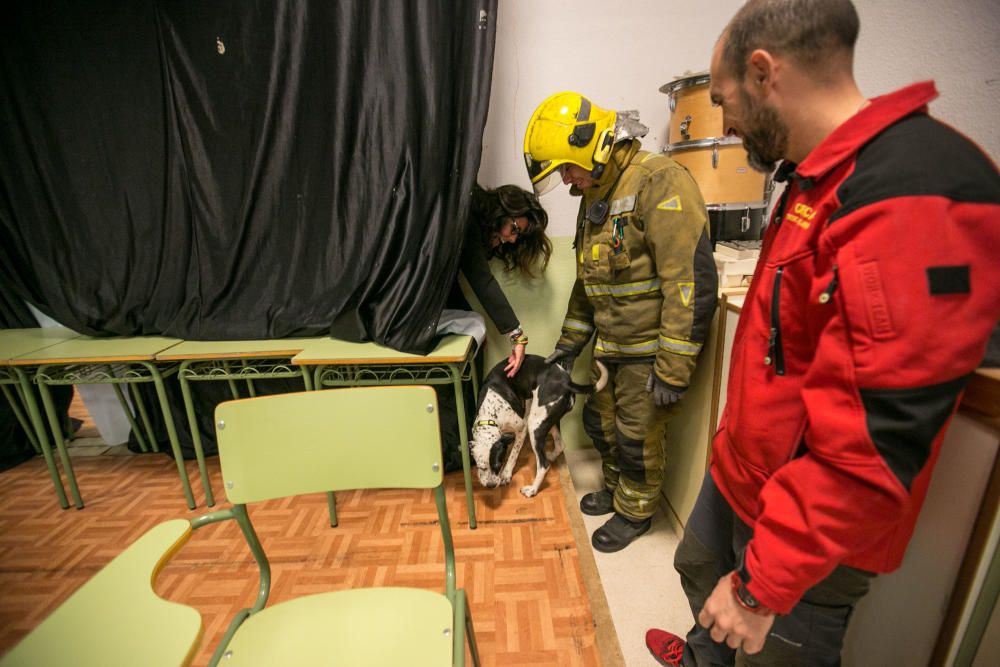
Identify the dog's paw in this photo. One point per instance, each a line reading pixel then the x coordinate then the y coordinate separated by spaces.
pixel 528 491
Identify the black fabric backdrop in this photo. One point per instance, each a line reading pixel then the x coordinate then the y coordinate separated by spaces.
pixel 241 169
pixel 238 169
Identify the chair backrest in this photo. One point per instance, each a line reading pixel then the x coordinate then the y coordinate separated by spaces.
pixel 329 440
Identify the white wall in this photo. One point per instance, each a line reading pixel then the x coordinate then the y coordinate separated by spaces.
pixel 954 42
pixel 616 53
pixel 620 53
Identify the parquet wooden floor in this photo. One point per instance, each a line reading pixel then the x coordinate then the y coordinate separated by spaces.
pixel 520 567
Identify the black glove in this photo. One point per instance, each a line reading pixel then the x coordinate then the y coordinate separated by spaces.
pixel 664 395
pixel 563 357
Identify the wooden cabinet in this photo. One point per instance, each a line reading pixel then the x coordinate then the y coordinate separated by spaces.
pixel 689 434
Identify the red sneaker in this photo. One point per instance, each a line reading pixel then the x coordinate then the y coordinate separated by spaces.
pixel 666 647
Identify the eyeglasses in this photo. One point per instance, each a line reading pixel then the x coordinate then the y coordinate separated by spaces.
pixel 515 229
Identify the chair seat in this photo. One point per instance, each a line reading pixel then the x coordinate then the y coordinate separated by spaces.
pixel 358 627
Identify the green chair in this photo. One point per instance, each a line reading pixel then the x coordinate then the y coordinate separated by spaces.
pixel 116 618
pixel 274 447
pixel 315 442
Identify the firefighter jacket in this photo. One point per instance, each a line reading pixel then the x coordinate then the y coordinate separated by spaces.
pixel 646 281
pixel 874 296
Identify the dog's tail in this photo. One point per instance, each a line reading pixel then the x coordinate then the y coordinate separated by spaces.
pixel 591 388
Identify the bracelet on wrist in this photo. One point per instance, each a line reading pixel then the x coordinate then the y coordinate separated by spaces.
pixel 517 337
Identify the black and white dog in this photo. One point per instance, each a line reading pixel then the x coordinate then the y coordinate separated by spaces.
pixel 530 403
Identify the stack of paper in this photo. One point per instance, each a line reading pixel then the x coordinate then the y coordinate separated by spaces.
pixel 736 261
pixel 738 249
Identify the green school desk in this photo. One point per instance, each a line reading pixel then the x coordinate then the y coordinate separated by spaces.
pixel 15 343
pixel 337 363
pixel 231 361
pixel 116 361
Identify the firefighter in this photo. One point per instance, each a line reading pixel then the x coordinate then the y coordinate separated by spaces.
pixel 645 293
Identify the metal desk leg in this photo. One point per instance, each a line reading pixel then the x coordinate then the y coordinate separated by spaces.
pixel 57 435
pixel 168 419
pixel 463 435
pixel 22 418
pixel 195 433
pixel 43 441
pixel 144 415
pixel 130 417
pixel 312 384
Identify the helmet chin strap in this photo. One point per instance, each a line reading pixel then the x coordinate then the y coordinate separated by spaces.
pixel 597 213
pixel 602 153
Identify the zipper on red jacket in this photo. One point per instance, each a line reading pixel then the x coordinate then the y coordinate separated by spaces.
pixel 827 294
pixel 775 355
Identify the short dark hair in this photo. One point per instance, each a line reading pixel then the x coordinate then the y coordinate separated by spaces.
pixel 806 30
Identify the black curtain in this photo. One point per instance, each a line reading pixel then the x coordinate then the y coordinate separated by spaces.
pixel 239 168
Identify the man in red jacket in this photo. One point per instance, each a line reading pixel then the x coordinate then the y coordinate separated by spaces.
pixel 875 293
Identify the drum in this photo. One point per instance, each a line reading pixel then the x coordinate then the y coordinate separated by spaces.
pixel 692 115
pixel 744 223
pixel 719 167
pixel 696 140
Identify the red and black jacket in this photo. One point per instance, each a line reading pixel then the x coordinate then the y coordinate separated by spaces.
pixel 877 288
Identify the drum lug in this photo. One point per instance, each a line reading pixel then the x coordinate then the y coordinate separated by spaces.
pixel 685 124
pixel 745 221
pixel 673 103
pixel 715 156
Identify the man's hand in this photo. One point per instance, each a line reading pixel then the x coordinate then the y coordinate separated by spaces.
pixel 515 360
pixel 562 356
pixel 664 394
pixel 728 622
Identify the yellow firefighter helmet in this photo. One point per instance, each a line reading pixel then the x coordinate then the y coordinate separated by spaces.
pixel 567 128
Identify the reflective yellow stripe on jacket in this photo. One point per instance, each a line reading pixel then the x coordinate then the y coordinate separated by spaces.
pixel 577 325
pixel 678 346
pixel 644 349
pixel 623 289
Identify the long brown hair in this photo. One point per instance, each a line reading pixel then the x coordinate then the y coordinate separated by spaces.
pixel 492 208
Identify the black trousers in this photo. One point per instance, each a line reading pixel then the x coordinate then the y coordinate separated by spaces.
pixel 810 636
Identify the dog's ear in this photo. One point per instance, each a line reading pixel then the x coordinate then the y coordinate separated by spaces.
pixel 498 452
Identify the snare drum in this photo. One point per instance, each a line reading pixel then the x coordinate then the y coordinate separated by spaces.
pixel 692 115
pixel 719 167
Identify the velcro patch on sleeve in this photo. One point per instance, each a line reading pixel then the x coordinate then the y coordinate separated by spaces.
pixel 623 205
pixel 948 280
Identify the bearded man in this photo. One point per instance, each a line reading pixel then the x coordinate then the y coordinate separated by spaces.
pixel 874 296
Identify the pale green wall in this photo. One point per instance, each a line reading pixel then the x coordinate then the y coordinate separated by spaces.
pixel 540 304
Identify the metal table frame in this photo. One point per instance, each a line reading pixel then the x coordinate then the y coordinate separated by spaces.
pixel 115 361
pixel 231 361
pixel 15 343
pixel 338 363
